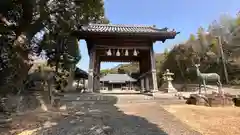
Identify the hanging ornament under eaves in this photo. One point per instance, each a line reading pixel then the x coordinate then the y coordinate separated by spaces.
pixel 109 53
pixel 117 53
pixel 135 53
pixel 126 53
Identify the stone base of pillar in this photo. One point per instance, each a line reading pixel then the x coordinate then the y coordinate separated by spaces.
pixel 97 91
pixel 161 95
pixel 143 91
pixel 88 90
pixel 154 90
pixel 166 91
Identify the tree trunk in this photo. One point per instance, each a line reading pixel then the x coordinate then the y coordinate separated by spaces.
pixel 181 71
pixel 223 60
pixel 22 56
pixel 70 79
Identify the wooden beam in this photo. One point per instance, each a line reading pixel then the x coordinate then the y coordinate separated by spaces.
pixel 123 40
pixel 129 47
pixel 119 59
pixel 119 42
pixel 141 53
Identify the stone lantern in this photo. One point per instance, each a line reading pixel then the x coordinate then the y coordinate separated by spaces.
pixel 167 86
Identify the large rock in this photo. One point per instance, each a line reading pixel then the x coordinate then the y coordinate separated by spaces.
pixel 236 101
pixel 57 103
pixel 212 100
pixel 217 100
pixel 197 99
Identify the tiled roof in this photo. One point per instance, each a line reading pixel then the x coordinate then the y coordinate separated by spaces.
pixel 117 78
pixel 118 28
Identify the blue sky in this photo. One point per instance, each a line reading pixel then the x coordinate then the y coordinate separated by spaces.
pixel 185 16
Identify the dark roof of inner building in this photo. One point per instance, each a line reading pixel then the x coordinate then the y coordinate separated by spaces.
pixel 79 73
pixel 117 78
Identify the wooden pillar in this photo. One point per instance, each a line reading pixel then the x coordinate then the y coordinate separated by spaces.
pixel 142 85
pixel 153 70
pixel 141 69
pixel 97 74
pixel 95 82
pixel 147 83
pixel 141 66
pixel 130 83
pixel 84 85
pixel 91 70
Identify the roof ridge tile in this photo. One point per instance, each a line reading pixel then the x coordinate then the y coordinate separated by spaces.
pixel 126 29
pixel 122 25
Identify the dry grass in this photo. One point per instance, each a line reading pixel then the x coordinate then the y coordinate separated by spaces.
pixel 207 120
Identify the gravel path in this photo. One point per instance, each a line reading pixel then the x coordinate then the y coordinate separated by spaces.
pixel 132 115
pixel 154 113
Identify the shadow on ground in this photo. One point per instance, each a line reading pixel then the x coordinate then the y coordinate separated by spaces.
pixel 95 115
pixel 13 106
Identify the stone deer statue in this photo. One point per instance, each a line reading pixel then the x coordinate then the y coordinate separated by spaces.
pixel 205 77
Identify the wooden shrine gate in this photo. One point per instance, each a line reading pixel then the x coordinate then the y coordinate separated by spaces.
pixel 122 43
